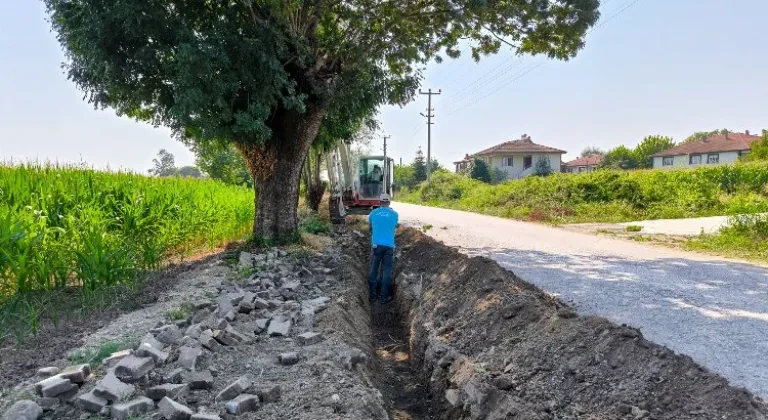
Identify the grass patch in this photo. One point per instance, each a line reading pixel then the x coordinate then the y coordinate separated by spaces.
pixel 95 356
pixel 608 196
pixel 634 228
pixel 426 228
pixel 182 312
pixel 745 237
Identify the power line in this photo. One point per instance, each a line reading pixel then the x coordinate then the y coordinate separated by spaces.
pixel 616 12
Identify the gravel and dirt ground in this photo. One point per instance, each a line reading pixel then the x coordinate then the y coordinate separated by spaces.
pixel 712 309
pixel 291 335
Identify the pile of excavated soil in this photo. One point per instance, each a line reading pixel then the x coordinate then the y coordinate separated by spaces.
pixel 491 346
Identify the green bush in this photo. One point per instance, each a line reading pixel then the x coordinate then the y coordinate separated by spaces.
pixel 606 195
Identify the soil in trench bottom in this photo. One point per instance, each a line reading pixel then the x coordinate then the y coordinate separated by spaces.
pixel 405 394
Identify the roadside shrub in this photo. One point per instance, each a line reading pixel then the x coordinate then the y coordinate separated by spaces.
pixel 607 195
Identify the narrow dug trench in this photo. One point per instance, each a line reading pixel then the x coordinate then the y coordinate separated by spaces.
pixel 466 339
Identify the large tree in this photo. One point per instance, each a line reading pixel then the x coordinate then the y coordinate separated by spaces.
pixel 649 146
pixel 620 157
pixel 700 135
pixel 263 74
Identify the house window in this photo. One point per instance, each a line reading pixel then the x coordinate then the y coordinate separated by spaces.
pixel 667 161
pixel 582 168
pixel 694 159
pixel 507 161
pixel 713 158
pixel 527 162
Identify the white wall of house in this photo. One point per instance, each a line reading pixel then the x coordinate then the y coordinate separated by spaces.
pixel 517 169
pixel 684 160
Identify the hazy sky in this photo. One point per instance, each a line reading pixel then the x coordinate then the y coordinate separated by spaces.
pixel 667 67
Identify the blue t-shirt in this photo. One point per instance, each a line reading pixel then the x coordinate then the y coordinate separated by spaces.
pixel 383 222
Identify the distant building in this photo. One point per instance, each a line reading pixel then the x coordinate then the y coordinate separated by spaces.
pixel 517 158
pixel 720 148
pixel 463 165
pixel 583 164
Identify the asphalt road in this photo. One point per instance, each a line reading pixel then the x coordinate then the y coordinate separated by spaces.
pixel 712 309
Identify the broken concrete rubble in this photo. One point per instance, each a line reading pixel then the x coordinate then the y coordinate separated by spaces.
pixel 91 402
pixel 23 410
pixel 170 334
pixel 234 389
pixel 173 391
pixel 133 367
pixel 309 338
pixel 242 404
pixel 158 356
pixel 112 389
pixel 189 357
pixel 172 410
pixel 124 411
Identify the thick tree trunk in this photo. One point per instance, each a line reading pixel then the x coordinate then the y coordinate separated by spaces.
pixel 276 168
pixel 315 186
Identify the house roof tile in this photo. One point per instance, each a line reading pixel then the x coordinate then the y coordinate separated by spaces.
pixel 590 160
pixel 522 145
pixel 731 142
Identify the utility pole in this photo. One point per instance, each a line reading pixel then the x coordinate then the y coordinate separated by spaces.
pixel 429 117
pixel 385 146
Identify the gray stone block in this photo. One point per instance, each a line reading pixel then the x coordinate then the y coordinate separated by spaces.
pixel 141 405
pixel 280 327
pixel 199 380
pixel 23 410
pixel 172 391
pixel 189 356
pixel 158 356
pixel 288 359
pixel 234 389
pixel 170 334
pixel 171 410
pixel 309 338
pixel 91 402
pixel 133 368
pixel 242 404
pixel 47 372
pixel 54 386
pixel 113 389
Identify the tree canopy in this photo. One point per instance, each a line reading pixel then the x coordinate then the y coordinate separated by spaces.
pixel 620 157
pixel 700 135
pixel 759 149
pixel 591 150
pixel 263 75
pixel 649 146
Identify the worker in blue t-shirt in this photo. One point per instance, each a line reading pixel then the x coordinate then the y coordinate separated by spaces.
pixel 383 222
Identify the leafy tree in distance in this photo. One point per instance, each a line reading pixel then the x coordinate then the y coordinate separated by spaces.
pixel 478 170
pixel 700 135
pixel 620 157
pixel 165 164
pixel 419 167
pixel 189 172
pixel 758 150
pixel 543 168
pixel 223 163
pixel 590 150
pixel 649 146
pixel 264 75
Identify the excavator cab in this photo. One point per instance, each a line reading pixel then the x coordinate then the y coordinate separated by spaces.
pixel 357 186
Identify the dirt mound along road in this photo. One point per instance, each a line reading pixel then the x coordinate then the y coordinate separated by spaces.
pixel 491 346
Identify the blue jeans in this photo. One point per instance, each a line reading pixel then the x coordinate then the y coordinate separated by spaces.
pixel 380 255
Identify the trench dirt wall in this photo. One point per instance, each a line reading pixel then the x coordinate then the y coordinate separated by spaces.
pixel 491 346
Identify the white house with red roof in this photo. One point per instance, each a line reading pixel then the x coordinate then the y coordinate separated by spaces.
pixel 713 150
pixel 518 158
pixel 583 164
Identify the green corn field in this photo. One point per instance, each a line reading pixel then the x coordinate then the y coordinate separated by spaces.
pixel 64 226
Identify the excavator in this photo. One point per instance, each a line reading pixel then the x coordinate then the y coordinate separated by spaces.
pixel 356 185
